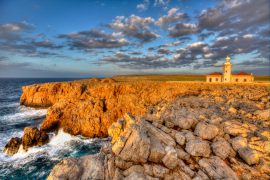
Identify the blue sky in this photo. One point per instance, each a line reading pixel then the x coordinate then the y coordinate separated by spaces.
pixel 103 38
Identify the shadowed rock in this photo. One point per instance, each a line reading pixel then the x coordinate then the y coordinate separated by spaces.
pixel 13 146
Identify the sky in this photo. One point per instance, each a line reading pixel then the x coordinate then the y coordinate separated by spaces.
pixel 99 38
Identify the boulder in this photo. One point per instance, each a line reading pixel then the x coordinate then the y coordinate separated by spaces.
pixel 206 131
pixel 136 147
pixel 133 169
pixel 222 148
pixel 122 164
pixel 135 176
pixel 159 134
pixel 238 143
pixel 181 154
pixel 250 156
pixel 67 169
pixel 180 138
pixel 186 169
pixel 87 167
pixel 170 160
pixel 33 137
pixel 216 168
pixel 160 171
pixel 12 146
pixel 157 151
pixel 200 175
pixel 188 135
pixel 184 123
pixel 148 169
pixel 235 128
pixel 198 147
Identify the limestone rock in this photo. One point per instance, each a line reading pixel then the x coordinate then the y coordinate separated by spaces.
pixel 206 131
pixel 180 138
pixel 116 129
pixel 133 169
pixel 222 148
pixel 238 143
pixel 148 169
pixel 157 151
pixel 159 134
pixel 118 175
pixel 33 137
pixel 13 146
pixel 186 169
pixel 137 146
pixel 159 171
pixel 184 123
pixel 216 168
pixel 198 148
pixel 135 176
pixel 66 169
pixel 235 128
pixel 170 160
pixel 122 164
pixel 250 156
pixel 200 175
pixel 87 167
pixel 181 154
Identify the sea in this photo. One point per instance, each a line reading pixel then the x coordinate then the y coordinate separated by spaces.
pixel 37 162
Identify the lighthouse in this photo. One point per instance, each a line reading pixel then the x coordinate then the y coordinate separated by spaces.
pixel 227 70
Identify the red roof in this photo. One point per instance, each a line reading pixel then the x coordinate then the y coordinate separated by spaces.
pixel 242 73
pixel 215 73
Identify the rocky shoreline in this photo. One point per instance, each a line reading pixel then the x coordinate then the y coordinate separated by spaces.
pixel 170 130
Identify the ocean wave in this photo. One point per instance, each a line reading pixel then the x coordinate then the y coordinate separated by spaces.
pixel 37 161
pixel 23 114
pixel 9 105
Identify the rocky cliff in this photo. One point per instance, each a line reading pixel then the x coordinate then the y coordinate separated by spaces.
pixel 89 107
pixel 207 136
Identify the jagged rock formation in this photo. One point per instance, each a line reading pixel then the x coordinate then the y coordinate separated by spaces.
pixel 191 137
pixel 100 103
pixel 32 136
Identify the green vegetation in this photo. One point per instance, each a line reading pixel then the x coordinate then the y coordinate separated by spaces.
pixel 173 77
pixel 161 77
pixel 262 78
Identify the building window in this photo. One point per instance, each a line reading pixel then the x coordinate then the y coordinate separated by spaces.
pixel 245 80
pixel 216 79
pixel 236 80
pixel 210 79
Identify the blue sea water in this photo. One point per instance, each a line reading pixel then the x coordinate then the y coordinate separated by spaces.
pixel 37 162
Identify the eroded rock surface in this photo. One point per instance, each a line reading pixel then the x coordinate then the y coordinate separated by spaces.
pixel 147 149
pixel 32 136
pixel 99 103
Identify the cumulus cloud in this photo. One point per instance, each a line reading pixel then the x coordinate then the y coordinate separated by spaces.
pixel 162 3
pixel 163 51
pixel 172 16
pixel 236 15
pixel 143 6
pixel 150 61
pixel 19 38
pixel 182 29
pixel 135 27
pixel 93 39
pixel 12 31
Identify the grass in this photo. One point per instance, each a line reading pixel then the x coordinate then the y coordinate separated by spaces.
pixel 173 77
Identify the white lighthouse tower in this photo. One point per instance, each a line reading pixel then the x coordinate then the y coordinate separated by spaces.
pixel 227 70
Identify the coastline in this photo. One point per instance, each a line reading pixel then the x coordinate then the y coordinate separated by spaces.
pixel 90 107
